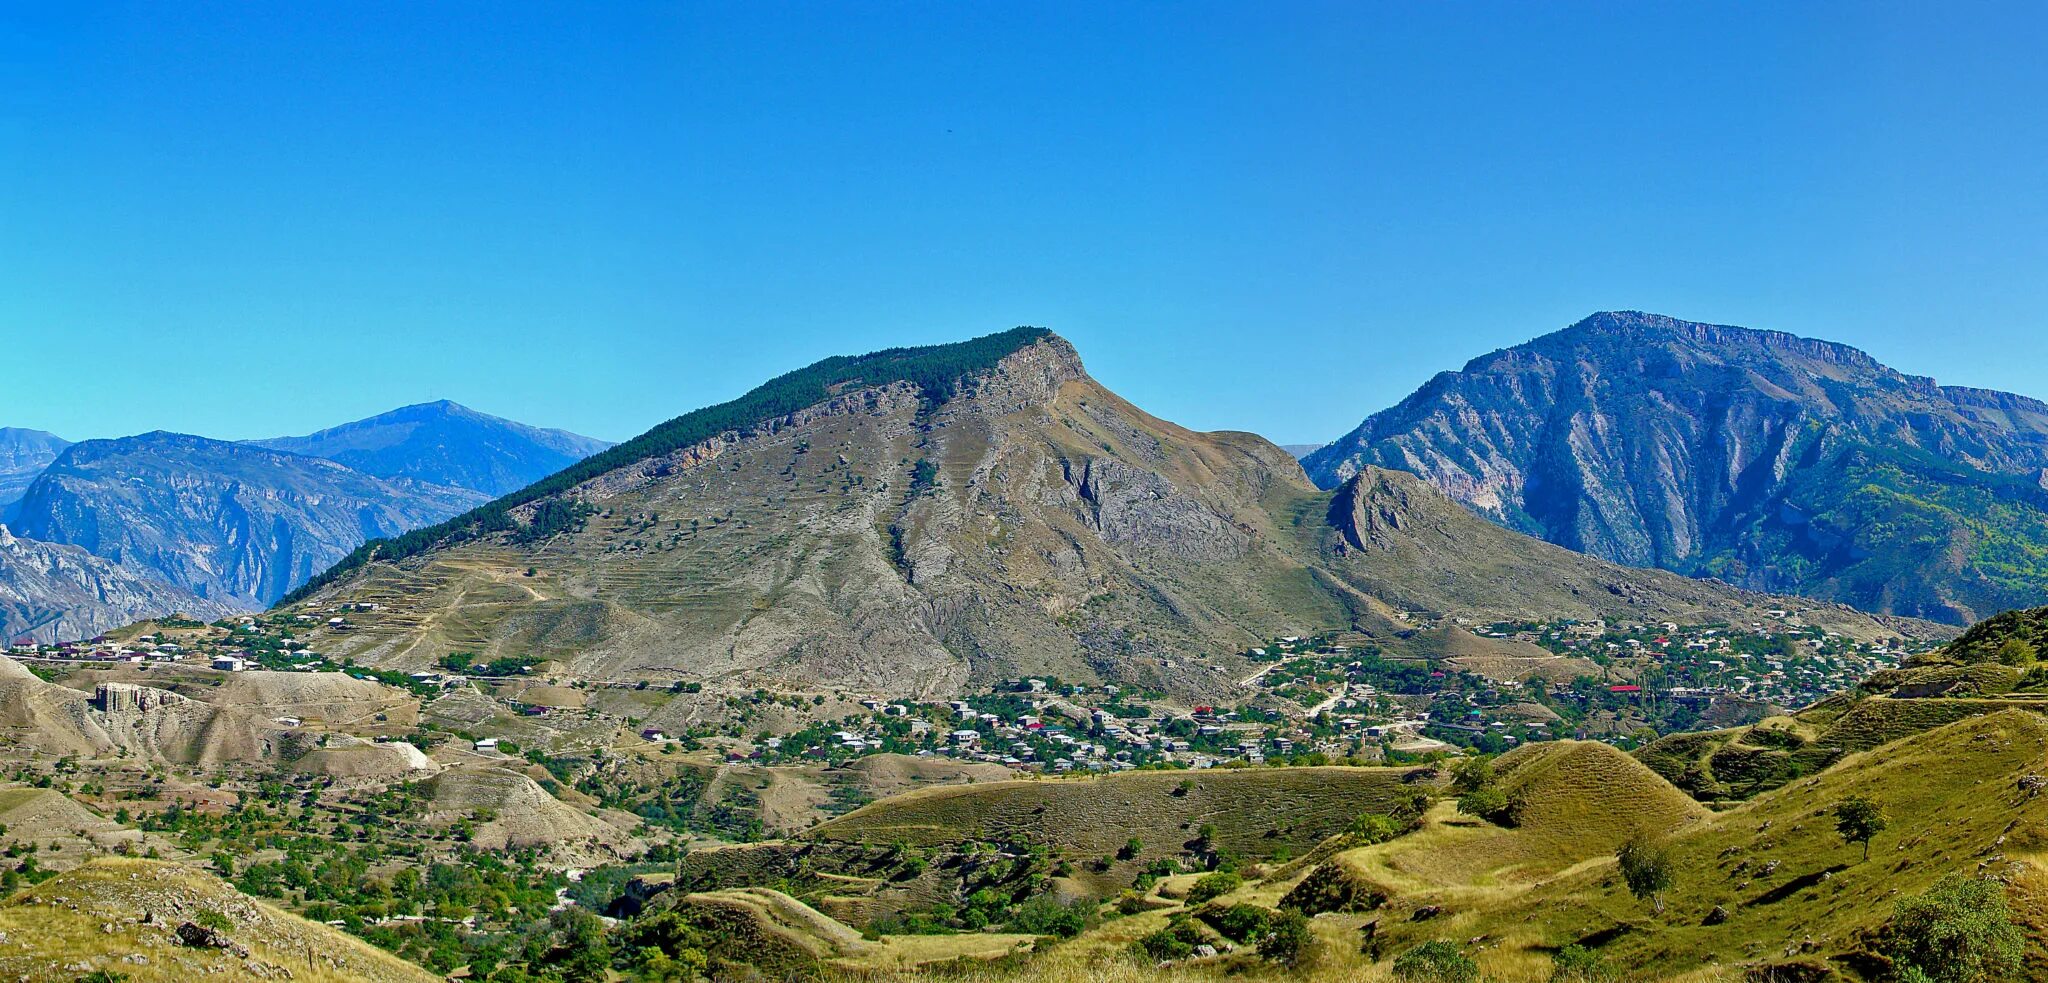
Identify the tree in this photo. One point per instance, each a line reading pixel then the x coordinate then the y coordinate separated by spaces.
pixel 1436 961
pixel 1960 931
pixel 2016 652
pixel 1859 820
pixel 1646 869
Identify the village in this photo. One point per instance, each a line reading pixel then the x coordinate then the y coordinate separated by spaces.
pixel 1309 700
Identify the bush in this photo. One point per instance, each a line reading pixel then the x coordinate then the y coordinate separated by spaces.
pixel 1578 964
pixel 1044 915
pixel 1488 803
pixel 1214 886
pixel 1240 922
pixel 1435 962
pixel 1176 941
pixel 1332 887
pixel 1960 931
pixel 1288 939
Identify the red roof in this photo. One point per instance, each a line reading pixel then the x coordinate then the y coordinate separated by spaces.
pixel 1624 689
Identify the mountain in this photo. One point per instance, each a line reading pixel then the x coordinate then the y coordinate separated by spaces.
pixel 60 593
pixel 918 520
pixel 234 523
pixel 445 443
pixel 23 455
pixel 1764 459
pixel 1299 451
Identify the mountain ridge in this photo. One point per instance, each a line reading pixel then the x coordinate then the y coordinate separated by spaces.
pixel 231 522
pixel 445 443
pixel 1772 461
pixel 993 513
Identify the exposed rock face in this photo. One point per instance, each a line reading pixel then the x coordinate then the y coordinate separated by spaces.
pixel 1776 462
pixel 445 443
pixel 1028 522
pixel 57 593
pixel 23 455
pixel 234 523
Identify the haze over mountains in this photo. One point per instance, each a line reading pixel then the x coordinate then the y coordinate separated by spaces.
pixel 1768 460
pixel 921 519
pixel 185 523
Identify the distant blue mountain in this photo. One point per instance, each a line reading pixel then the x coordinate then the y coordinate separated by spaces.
pixel 445 443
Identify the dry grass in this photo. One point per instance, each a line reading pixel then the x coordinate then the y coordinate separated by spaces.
pixel 93 918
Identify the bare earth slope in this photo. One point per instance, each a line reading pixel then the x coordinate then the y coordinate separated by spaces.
pixel 896 539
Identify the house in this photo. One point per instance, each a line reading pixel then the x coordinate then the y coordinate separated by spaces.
pixel 487 744
pixel 229 663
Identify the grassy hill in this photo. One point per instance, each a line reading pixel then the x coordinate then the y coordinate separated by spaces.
pixel 1784 883
pixel 119 916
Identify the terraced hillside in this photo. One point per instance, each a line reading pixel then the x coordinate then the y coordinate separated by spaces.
pixel 920 520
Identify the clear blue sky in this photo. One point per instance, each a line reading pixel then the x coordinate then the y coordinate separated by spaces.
pixel 252 219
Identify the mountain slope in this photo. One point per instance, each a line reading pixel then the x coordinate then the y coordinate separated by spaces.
pixel 921 520
pixel 93 923
pixel 230 522
pixel 60 593
pixel 1775 462
pixel 23 455
pixel 445 443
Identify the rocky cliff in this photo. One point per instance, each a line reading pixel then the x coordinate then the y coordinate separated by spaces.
pixel 57 593
pixel 1776 462
pixel 444 443
pixel 233 523
pixel 916 531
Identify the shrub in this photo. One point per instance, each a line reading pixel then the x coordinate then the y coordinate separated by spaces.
pixel 1044 915
pixel 1240 922
pixel 1578 964
pixel 1332 887
pixel 1288 939
pixel 1214 886
pixel 1960 931
pixel 1176 941
pixel 1435 962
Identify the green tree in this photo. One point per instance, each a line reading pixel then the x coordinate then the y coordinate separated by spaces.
pixel 2017 652
pixel 1435 961
pixel 1960 931
pixel 1859 820
pixel 1646 869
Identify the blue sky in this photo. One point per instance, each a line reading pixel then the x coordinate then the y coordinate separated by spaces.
pixel 245 220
